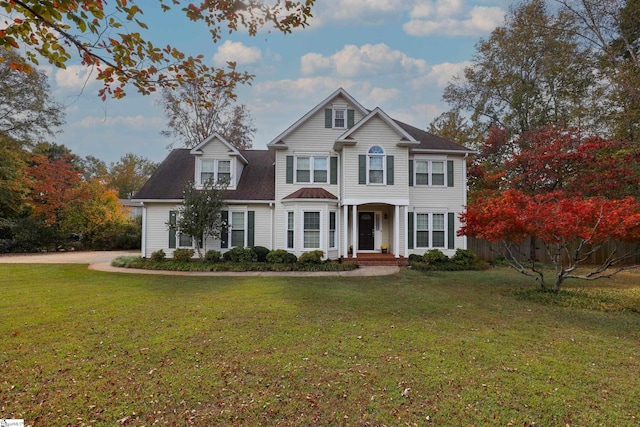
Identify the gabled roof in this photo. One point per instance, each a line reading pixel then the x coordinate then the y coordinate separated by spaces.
pixel 257 181
pixel 430 142
pixel 311 193
pixel 277 143
pixel 233 151
pixel 346 138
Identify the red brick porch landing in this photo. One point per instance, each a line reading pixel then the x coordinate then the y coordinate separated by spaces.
pixel 377 259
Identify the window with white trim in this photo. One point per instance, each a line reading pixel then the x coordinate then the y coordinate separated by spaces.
pixel 290 229
pixel 332 230
pixel 311 230
pixel 340 118
pixel 215 170
pixel 430 230
pixel 237 229
pixel 312 169
pixel 185 240
pixel 429 172
pixel 375 165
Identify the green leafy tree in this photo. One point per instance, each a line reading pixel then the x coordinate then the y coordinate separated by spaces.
pixel 454 127
pixel 201 213
pixel 129 174
pixel 112 38
pixel 94 168
pixel 13 184
pixel 28 112
pixel 197 110
pixel 530 72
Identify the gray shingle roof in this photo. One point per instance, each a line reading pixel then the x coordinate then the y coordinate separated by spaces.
pixel 429 141
pixel 167 183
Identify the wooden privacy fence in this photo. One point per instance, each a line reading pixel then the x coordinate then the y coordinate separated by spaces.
pixel 490 251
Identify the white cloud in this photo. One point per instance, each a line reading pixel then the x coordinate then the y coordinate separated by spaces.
pixel 236 52
pixel 450 18
pixel 138 122
pixel 365 12
pixel 74 77
pixel 367 60
pixel 440 74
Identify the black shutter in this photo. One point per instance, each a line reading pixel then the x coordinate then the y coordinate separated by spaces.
pixel 410 227
pixel 449 173
pixel 389 170
pixel 328 118
pixel 451 226
pixel 172 229
pixel 350 118
pixel 410 173
pixel 289 169
pixel 333 164
pixel 362 169
pixel 251 228
pixel 224 235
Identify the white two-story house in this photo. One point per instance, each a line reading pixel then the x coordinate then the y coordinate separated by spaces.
pixel 342 179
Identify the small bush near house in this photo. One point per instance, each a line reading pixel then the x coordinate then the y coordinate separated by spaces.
pixel 415 258
pixel 212 256
pixel 464 257
pixel 311 257
pixel 435 256
pixel 280 256
pixel 158 256
pixel 183 254
pixel 261 252
pixel 240 254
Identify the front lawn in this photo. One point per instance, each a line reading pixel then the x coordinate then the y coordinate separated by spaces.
pixel 82 347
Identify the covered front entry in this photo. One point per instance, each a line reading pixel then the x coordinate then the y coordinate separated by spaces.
pixel 374 227
pixel 366 224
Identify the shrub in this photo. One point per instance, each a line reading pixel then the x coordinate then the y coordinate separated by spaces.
pixel 212 256
pixel 465 257
pixel 183 254
pixel 435 256
pixel 261 252
pixel 158 256
pixel 280 256
pixel 415 258
pixel 240 254
pixel 311 257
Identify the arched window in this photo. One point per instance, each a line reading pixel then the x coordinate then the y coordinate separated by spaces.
pixel 376 165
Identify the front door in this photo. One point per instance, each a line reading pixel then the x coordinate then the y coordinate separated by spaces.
pixel 366 221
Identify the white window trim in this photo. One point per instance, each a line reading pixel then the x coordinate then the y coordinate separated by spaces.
pixel 384 166
pixel 302 230
pixel 230 226
pixel 199 181
pixel 287 229
pixel 431 229
pixel 311 158
pixel 338 107
pixel 430 161
pixel 335 230
pixel 179 246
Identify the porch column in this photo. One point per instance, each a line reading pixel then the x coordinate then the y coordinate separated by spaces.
pixel 354 230
pixel 396 231
pixel 345 230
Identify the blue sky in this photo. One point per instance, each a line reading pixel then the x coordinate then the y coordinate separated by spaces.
pixel 394 54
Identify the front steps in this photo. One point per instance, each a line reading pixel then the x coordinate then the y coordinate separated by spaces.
pixel 377 259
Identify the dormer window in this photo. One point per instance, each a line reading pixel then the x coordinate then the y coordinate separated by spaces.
pixel 215 170
pixel 339 118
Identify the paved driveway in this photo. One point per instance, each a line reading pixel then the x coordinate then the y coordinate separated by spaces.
pixel 101 261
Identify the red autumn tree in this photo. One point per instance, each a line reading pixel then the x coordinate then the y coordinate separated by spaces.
pixel 570 228
pixel 566 192
pixel 55 188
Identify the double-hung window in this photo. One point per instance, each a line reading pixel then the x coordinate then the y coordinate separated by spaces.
pixel 312 169
pixel 332 230
pixel 430 230
pixel 185 240
pixel 430 172
pixel 375 165
pixel 339 118
pixel 237 229
pixel 290 229
pixel 215 170
pixel 311 230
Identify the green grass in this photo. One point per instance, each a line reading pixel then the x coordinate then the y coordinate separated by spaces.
pixel 465 348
